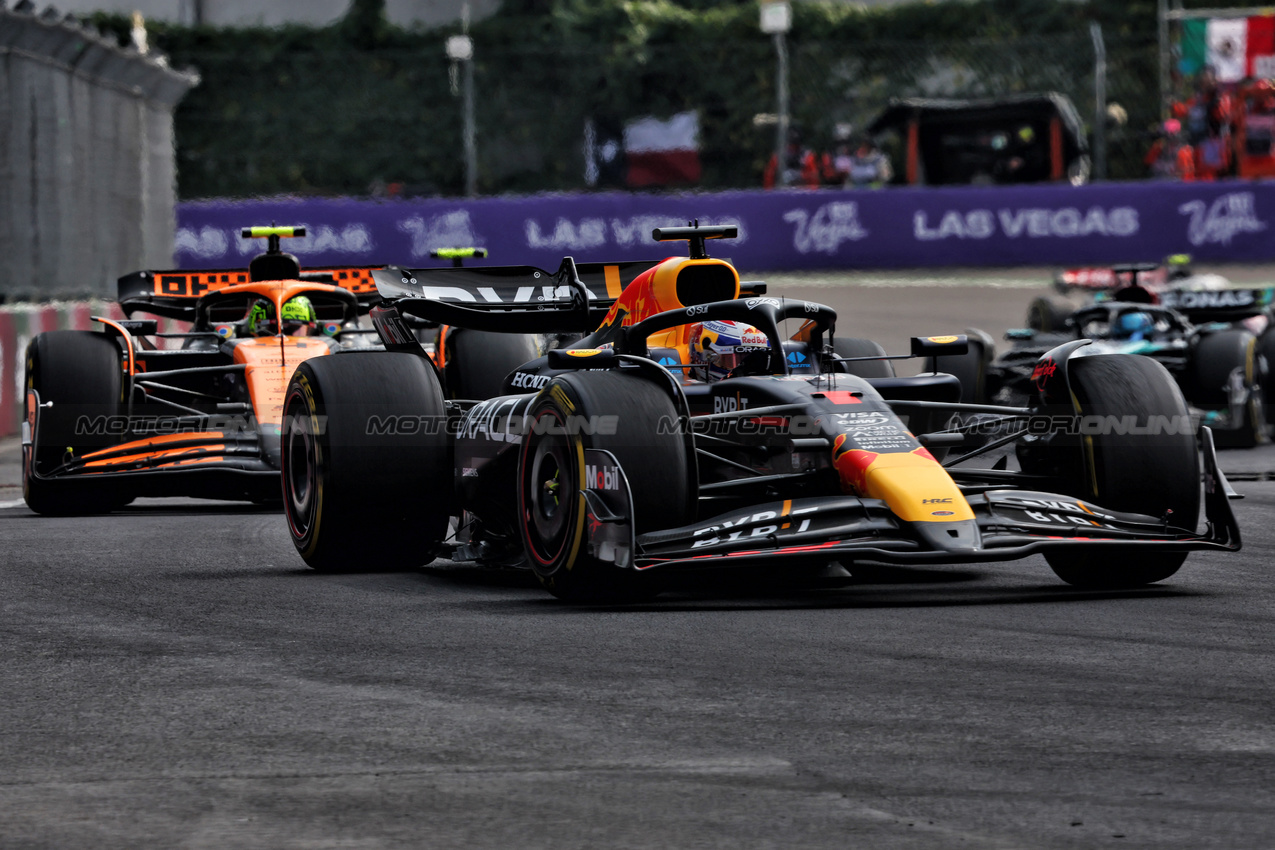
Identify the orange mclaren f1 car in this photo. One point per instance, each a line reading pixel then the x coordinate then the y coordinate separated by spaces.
pixel 684 432
pixel 114 414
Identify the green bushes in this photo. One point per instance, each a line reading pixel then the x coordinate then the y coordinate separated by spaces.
pixel 341 109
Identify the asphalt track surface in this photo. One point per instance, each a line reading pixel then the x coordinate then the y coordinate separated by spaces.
pixel 172 676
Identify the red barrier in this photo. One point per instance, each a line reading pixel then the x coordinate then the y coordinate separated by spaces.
pixel 10 374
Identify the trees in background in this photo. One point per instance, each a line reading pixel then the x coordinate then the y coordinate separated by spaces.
pixel 364 105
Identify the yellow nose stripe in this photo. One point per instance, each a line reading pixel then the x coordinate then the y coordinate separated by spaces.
pixel 916 488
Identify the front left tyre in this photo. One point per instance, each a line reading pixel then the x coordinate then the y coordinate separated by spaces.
pixel 366 463
pixel 635 420
pixel 1151 469
pixel 79 379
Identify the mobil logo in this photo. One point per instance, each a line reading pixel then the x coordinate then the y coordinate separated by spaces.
pixel 601 477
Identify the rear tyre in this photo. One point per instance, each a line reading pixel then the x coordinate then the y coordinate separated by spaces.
pixel 367 462
pixel 79 377
pixel 1217 359
pixel 551 475
pixel 1156 474
pixel 1048 314
pixel 970 369
pixel 853 347
pixel 476 362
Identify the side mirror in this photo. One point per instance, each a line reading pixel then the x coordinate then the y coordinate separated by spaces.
pixel 140 327
pixel 582 358
pixel 940 346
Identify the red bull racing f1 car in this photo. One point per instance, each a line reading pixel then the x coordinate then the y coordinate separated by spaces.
pixel 627 458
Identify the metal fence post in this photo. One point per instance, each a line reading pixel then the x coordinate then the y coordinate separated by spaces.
pixel 1166 83
pixel 781 107
pixel 471 144
pixel 1100 102
pixel 776 19
pixel 460 49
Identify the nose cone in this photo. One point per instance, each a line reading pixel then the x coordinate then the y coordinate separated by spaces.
pixel 917 489
pixel 955 537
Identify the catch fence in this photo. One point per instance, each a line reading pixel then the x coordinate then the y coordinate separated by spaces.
pixel 389 122
pixel 87 182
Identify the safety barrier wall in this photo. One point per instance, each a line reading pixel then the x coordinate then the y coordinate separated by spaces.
pixel 20 323
pixel 87 180
pixel 1229 221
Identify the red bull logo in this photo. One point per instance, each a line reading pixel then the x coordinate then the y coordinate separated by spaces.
pixel 852 466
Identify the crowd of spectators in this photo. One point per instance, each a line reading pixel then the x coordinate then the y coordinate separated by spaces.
pixel 856 164
pixel 1201 140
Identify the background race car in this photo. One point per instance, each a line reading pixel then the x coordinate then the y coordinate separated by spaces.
pixel 114 415
pixel 1206 336
pixel 615 465
pixel 1078 287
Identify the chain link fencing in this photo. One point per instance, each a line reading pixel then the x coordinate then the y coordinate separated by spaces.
pixel 358 122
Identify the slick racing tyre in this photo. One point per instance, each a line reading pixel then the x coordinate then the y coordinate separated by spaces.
pixel 1266 351
pixel 853 347
pixel 970 368
pixel 475 363
pixel 1155 473
pixel 628 416
pixel 79 379
pixel 1048 314
pixel 1220 359
pixel 366 462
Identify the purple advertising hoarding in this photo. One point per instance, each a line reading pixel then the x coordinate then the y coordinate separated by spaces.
pixel 1047 225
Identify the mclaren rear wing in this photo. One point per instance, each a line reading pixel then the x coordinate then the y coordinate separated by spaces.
pixel 173 294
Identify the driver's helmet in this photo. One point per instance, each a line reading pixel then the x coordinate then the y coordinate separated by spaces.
pixel 1134 325
pixel 299 317
pixel 1178 266
pixel 260 321
pixel 721 345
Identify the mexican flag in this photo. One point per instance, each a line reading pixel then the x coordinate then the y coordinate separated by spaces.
pixel 1235 47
